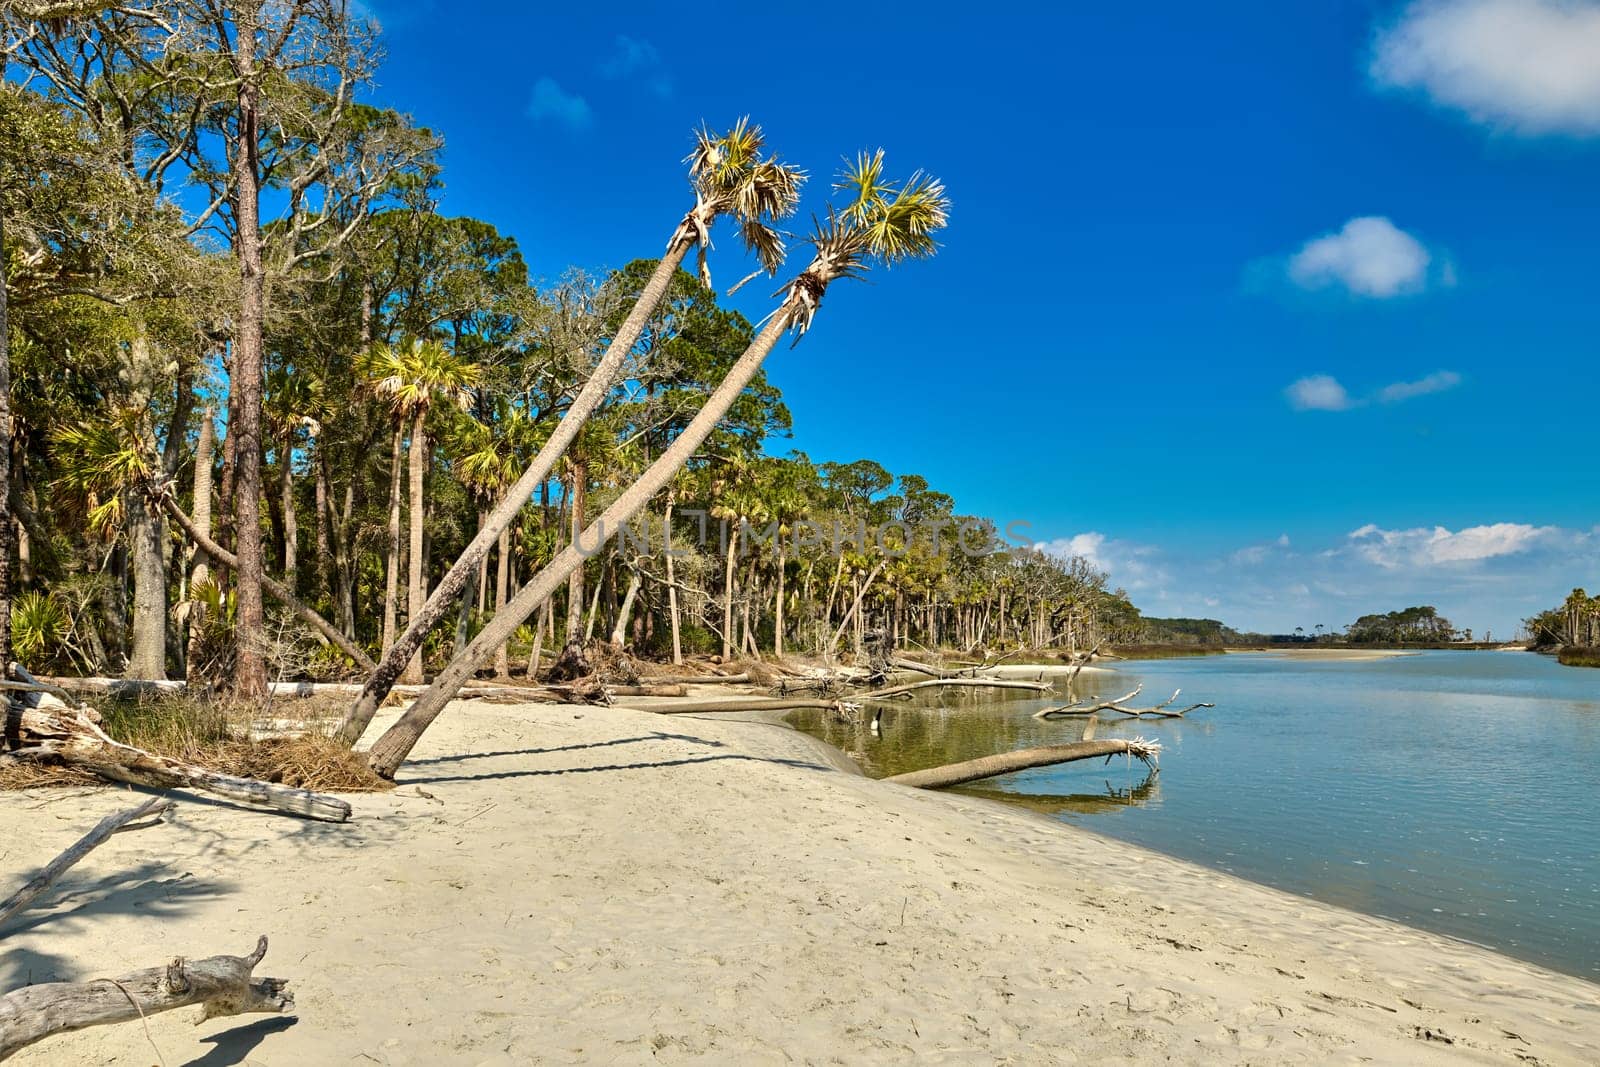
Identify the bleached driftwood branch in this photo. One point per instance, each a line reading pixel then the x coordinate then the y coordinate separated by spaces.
pixel 1163 710
pixel 1147 752
pixel 146 814
pixel 224 984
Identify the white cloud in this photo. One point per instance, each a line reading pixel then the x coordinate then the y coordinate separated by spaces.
pixel 637 58
pixel 1369 256
pixel 1129 565
pixel 1429 547
pixel 1323 392
pixel 1437 382
pixel 1532 66
pixel 1488 576
pixel 552 103
pixel 1319 392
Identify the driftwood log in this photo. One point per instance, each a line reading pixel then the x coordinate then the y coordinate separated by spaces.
pixel 698 679
pixel 146 814
pixel 39 726
pixel 1163 710
pixel 223 984
pixel 711 707
pixel 936 683
pixel 972 770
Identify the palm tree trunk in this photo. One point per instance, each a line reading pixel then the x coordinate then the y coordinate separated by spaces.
pixel 5 465
pixel 575 580
pixel 777 624
pixel 291 524
pixel 594 391
pixel 250 666
pixel 200 570
pixel 147 658
pixel 502 577
pixel 396 744
pixel 323 507
pixel 672 586
pixel 483 570
pixel 729 624
pixel 619 632
pixel 416 587
pixel 391 571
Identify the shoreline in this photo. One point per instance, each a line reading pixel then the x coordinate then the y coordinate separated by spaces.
pixel 551 883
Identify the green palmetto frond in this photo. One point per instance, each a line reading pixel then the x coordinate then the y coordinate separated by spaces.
pixel 731 178
pixel 883 222
pixel 97 463
pixel 412 379
pixel 39 623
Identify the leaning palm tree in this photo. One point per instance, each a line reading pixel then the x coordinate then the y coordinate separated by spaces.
pixel 412 381
pixel 883 223
pixel 730 177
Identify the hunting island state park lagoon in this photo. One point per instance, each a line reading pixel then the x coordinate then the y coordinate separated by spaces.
pixel 1025 536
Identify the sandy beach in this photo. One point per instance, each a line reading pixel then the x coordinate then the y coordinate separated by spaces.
pixel 557 884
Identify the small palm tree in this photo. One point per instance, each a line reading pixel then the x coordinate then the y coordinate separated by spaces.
pixel 882 223
pixel 412 380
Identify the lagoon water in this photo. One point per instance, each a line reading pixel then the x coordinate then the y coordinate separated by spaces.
pixel 1454 791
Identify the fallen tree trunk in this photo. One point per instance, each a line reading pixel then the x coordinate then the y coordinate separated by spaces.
pixel 935 683
pixel 1010 762
pixel 1163 710
pixel 70 737
pixel 146 814
pixel 703 707
pixel 646 690
pixel 698 679
pixel 224 984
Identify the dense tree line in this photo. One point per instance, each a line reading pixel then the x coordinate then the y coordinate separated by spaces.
pixel 236 318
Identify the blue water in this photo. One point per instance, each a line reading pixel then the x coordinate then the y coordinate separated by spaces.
pixel 1454 791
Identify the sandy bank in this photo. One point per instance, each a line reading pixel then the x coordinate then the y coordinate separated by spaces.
pixel 558 884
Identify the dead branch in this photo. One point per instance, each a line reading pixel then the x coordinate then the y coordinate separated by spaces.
pixel 935 683
pixel 224 984
pixel 707 707
pixel 146 814
pixel 1147 752
pixel 1162 710
pixel 698 679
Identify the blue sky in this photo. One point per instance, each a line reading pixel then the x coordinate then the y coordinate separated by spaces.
pixel 1282 313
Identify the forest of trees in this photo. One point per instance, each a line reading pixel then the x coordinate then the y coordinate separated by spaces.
pixel 1571 630
pixel 1418 625
pixel 235 318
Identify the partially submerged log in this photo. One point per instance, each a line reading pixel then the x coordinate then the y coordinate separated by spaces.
pixel 1146 752
pixel 225 985
pixel 697 679
pixel 935 683
pixel 712 707
pixel 1163 710
pixel 146 814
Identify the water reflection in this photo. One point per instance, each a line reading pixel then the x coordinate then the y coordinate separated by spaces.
pixel 1109 801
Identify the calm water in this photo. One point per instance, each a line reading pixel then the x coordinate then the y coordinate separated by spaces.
pixel 1454 791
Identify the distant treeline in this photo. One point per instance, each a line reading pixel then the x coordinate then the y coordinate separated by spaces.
pixel 1571 630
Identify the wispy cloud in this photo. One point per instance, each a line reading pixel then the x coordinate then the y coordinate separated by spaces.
pixel 1369 256
pixel 551 103
pixel 1437 382
pixel 1530 66
pixel 1324 392
pixel 636 59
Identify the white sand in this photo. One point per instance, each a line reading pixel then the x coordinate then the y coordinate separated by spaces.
pixel 565 885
